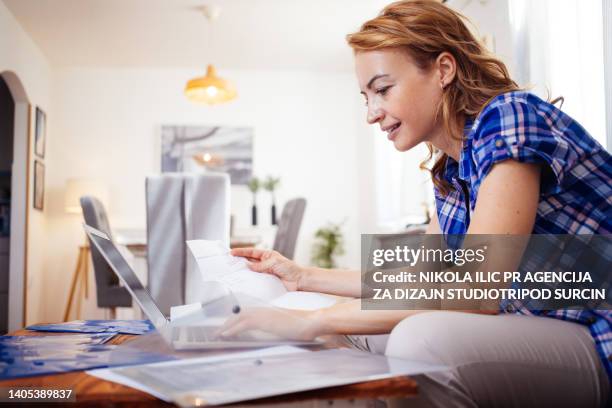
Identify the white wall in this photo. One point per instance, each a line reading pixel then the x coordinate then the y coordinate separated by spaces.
pixel 556 29
pixel 308 130
pixel 491 19
pixel 20 55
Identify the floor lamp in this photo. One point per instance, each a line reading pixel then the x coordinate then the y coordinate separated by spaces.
pixel 75 189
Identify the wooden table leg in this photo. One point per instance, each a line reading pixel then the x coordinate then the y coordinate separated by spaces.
pixel 86 270
pixel 75 278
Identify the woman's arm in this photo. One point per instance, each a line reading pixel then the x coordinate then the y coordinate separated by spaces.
pixel 507 204
pixel 434 225
pixel 344 282
pixel 339 282
pixel 507 200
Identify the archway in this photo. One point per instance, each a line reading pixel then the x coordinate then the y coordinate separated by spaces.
pixel 19 177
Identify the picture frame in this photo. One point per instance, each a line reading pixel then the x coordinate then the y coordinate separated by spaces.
pixel 39 185
pixel 40 133
pixel 208 148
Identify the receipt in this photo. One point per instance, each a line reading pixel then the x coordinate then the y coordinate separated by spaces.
pixel 217 264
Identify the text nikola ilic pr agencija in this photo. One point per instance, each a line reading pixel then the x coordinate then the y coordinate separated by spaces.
pixel 411 257
pixel 494 293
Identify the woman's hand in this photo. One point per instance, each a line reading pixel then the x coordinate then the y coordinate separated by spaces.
pixel 268 261
pixel 285 323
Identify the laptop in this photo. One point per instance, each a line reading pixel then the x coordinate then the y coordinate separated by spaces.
pixel 199 336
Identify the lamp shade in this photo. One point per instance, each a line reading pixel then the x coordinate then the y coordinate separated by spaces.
pixel 210 89
pixel 76 188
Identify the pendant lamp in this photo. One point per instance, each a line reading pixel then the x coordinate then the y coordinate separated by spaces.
pixel 210 89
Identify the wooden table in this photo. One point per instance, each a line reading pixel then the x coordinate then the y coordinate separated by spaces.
pixel 139 247
pixel 92 391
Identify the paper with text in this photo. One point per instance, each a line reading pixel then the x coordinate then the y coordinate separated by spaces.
pixel 217 264
pixel 270 372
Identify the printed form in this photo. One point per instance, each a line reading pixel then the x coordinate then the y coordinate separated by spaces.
pixel 217 264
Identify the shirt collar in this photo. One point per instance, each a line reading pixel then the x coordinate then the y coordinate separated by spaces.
pixel 461 170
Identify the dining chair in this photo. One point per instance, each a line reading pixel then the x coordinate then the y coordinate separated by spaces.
pixel 289 227
pixel 182 207
pixel 109 293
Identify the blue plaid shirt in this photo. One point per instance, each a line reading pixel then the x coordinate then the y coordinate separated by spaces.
pixel 575 192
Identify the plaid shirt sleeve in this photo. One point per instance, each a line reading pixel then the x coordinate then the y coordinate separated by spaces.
pixel 514 129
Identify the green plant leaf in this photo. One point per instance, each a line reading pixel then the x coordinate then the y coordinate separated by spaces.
pixel 271 183
pixel 329 243
pixel 254 185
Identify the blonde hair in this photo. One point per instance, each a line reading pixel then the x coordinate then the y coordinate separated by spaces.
pixel 426 28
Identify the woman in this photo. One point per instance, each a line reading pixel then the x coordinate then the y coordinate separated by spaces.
pixel 426 79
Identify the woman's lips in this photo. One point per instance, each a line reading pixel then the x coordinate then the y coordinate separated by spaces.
pixel 391 135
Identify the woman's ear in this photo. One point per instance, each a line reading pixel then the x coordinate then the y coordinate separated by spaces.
pixel 447 68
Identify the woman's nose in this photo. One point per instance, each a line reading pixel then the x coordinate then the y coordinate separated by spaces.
pixel 374 115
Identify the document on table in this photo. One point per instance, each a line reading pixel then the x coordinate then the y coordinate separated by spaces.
pixel 149 387
pixel 265 373
pixel 217 264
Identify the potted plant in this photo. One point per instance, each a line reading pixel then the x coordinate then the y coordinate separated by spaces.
pixel 329 243
pixel 270 184
pixel 254 186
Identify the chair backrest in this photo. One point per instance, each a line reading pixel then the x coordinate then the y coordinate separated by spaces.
pixel 108 291
pixel 182 207
pixel 165 240
pixel 207 216
pixel 95 214
pixel 289 227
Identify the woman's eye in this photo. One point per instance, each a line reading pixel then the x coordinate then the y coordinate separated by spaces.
pixel 383 91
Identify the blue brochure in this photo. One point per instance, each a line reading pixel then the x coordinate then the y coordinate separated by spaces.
pixel 97 326
pixel 55 341
pixel 24 356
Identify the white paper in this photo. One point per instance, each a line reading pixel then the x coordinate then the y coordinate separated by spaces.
pixel 110 374
pixel 216 264
pixel 255 375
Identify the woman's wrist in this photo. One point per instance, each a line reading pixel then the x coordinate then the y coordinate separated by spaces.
pixel 316 324
pixel 304 279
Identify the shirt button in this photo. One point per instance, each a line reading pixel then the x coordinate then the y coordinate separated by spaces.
pixel 510 308
pixel 591 320
pixel 499 143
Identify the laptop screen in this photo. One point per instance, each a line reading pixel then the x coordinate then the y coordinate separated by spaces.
pixel 127 276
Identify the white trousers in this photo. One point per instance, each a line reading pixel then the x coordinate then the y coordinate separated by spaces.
pixel 498 361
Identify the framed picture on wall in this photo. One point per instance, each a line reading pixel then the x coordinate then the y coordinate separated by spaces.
pixel 40 133
pixel 200 149
pixel 39 185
